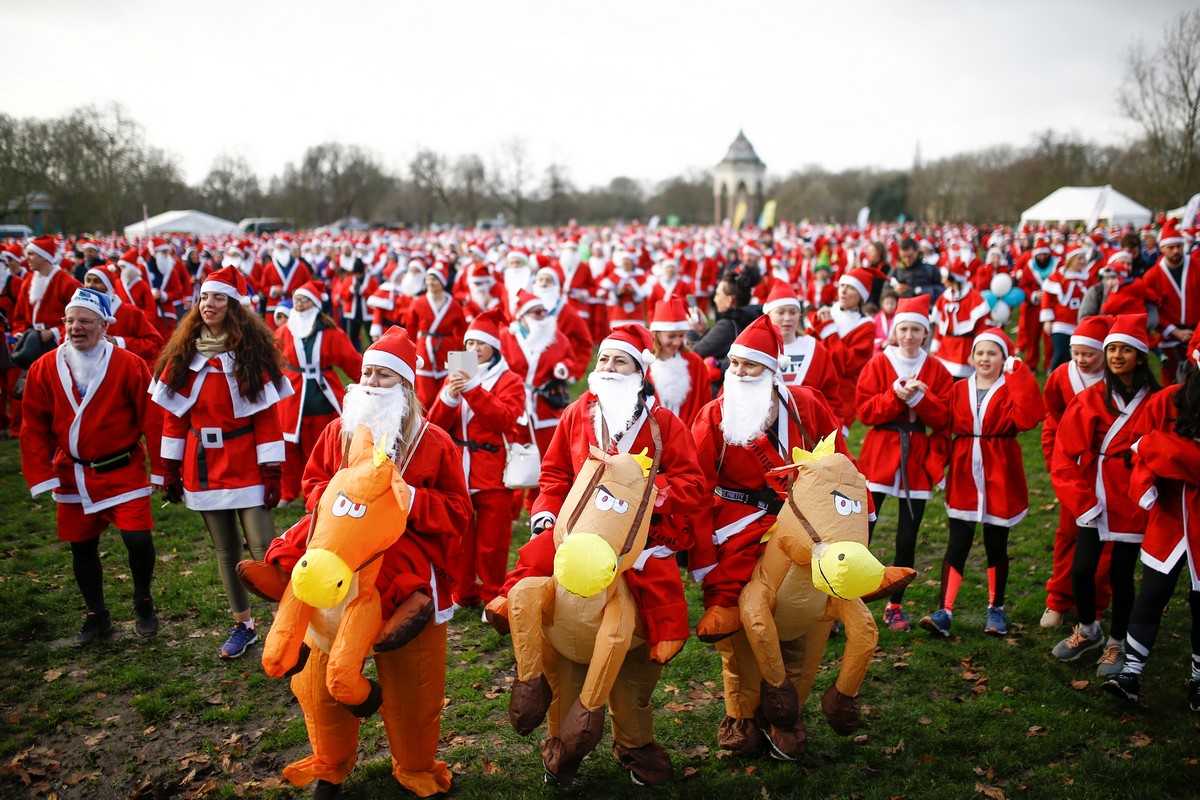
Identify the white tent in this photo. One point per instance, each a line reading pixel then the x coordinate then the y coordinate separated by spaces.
pixel 195 222
pixel 1079 204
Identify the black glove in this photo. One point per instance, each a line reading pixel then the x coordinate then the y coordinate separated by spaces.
pixel 272 476
pixel 173 481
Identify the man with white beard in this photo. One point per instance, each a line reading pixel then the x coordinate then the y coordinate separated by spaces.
pixel 619 414
pixel 169 279
pixel 48 288
pixel 86 411
pixel 681 378
pixel 577 282
pixel 547 285
pixel 517 277
pixel 741 436
pixel 312 345
pixel 282 275
pixel 482 293
pixel 389 304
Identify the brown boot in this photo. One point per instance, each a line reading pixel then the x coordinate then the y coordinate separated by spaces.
pixel 560 770
pixel 784 742
pixel 717 623
pixel 409 619
pixel 662 652
pixel 268 581
pixel 741 737
pixel 843 712
pixel 647 765
pixel 496 612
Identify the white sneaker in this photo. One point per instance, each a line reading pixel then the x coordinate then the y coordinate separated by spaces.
pixel 1051 618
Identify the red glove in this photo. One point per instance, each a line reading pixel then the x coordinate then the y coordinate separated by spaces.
pixel 272 477
pixel 172 481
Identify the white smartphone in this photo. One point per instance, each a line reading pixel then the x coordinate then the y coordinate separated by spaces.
pixel 465 360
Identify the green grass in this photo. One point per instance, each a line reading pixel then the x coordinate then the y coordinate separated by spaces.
pixel 973 716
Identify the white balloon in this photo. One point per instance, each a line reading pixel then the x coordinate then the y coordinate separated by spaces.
pixel 1001 312
pixel 1001 284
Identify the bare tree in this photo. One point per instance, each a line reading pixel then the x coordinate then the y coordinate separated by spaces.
pixel 1162 94
pixel 231 188
pixel 508 183
pixel 470 180
pixel 429 175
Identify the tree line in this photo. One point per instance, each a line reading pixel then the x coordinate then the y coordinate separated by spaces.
pixel 93 170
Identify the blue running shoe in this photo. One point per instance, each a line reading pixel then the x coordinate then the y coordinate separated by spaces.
pixel 241 638
pixel 997 621
pixel 938 622
pixel 896 620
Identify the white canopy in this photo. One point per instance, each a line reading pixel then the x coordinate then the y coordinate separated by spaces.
pixel 1079 204
pixel 189 221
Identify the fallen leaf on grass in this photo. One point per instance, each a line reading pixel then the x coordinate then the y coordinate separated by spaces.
pixel 750 770
pixel 490 767
pixel 678 708
pixel 690 772
pixel 52 675
pixel 994 792
pixel 924 721
pixel 697 752
pixel 1035 730
pixel 214 700
pixel 86 776
pixel 93 740
pixel 1080 685
pixel 1140 739
pixel 900 665
pixel 861 739
pixel 899 748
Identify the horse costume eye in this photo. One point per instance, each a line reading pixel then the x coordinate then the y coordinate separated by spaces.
pixel 620 506
pixel 844 505
pixel 604 500
pixel 344 506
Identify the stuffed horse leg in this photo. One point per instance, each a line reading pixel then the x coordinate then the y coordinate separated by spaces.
pixel 361 621
pixel 529 603
pixel 282 652
pixel 842 703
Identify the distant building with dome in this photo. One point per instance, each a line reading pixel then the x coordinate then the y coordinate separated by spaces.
pixel 739 176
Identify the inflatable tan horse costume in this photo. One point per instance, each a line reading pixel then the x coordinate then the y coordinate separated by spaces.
pixel 815 569
pixel 329 620
pixel 576 634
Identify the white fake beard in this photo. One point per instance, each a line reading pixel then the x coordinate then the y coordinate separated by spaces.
pixel 569 259
pixel 37 287
pixel 549 295
pixel 83 365
pixel 596 265
pixel 347 262
pixel 672 381
pixel 516 278
pixel 618 396
pixel 481 295
pixel 231 261
pixel 541 334
pixel 411 284
pixel 746 406
pixel 163 261
pixel 301 323
pixel 282 258
pixel 247 265
pixel 381 411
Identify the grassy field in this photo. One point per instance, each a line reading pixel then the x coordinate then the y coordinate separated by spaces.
pixel 972 716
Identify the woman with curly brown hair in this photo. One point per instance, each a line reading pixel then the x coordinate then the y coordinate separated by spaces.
pixel 219 377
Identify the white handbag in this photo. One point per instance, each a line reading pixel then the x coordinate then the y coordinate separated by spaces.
pixel 522 462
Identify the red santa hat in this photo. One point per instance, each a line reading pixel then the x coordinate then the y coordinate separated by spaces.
pixel 526 302
pixel 750 249
pixel 781 295
pixel 1090 332
pixel 485 328
pixel 1073 251
pixel 103 275
pixel 438 270
pixel 12 253
pixel 551 268
pixel 86 242
pixel 129 258
pixel 998 337
pixel 760 342
pixel 46 247
pixel 394 351
pixel 418 262
pixel 1129 329
pixel 860 280
pixel 633 339
pixel 480 273
pixel 669 315
pixel 913 309
pixel 313 292
pixel 157 244
pixel 227 281
pixel 1041 247
pixel 1170 234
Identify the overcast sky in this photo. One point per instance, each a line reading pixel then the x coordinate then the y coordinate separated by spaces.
pixel 645 89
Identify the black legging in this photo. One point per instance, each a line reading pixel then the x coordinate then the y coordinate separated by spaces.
pixel 89 574
pixel 1061 344
pixel 353 327
pixel 1120 576
pixel 995 545
pixel 906 534
pixel 1146 615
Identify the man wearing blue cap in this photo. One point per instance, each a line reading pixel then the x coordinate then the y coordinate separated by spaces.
pixel 86 412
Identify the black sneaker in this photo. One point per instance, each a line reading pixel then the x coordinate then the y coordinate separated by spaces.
pixel 1124 685
pixel 1194 694
pixel 95 627
pixel 146 618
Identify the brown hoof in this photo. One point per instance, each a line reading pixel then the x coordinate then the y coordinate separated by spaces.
pixel 369 706
pixel 268 581
pixel 779 705
pixel 662 652
pixel 581 730
pixel 528 704
pixel 496 612
pixel 741 737
pixel 409 619
pixel 560 769
pixel 843 712
pixel 717 623
pixel 895 579
pixel 785 743
pixel 647 765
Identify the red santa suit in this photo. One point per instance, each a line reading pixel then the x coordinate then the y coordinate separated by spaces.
pixel 849 336
pixel 221 437
pixel 437 332
pixel 986 479
pixel 86 447
pixel 579 287
pixel 171 286
pixel 317 392
pixel 626 293
pixel 889 465
pixel 1029 277
pixel 1178 304
pixel 142 296
pixel 682 384
pixel 576 331
pixel 279 282
pixel 746 500
pixel 535 369
pixel 1166 483
pixel 682 495
pixel 478 421
pixel 957 318
pixel 660 290
pixel 11 286
pixel 1062 293
pixel 46 311
pixel 133 332
pixel 806 362
pixel 388 307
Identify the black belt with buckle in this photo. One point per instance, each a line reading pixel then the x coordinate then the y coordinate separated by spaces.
pixel 473 445
pixel 201 454
pixel 110 462
pixel 765 500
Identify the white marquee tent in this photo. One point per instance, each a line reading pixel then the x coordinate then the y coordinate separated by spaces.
pixel 194 222
pixel 1079 204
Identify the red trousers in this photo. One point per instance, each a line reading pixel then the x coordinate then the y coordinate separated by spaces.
pixel 736 558
pixel 483 548
pixel 295 455
pixel 1031 338
pixel 657 588
pixel 10 405
pixel 1060 596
